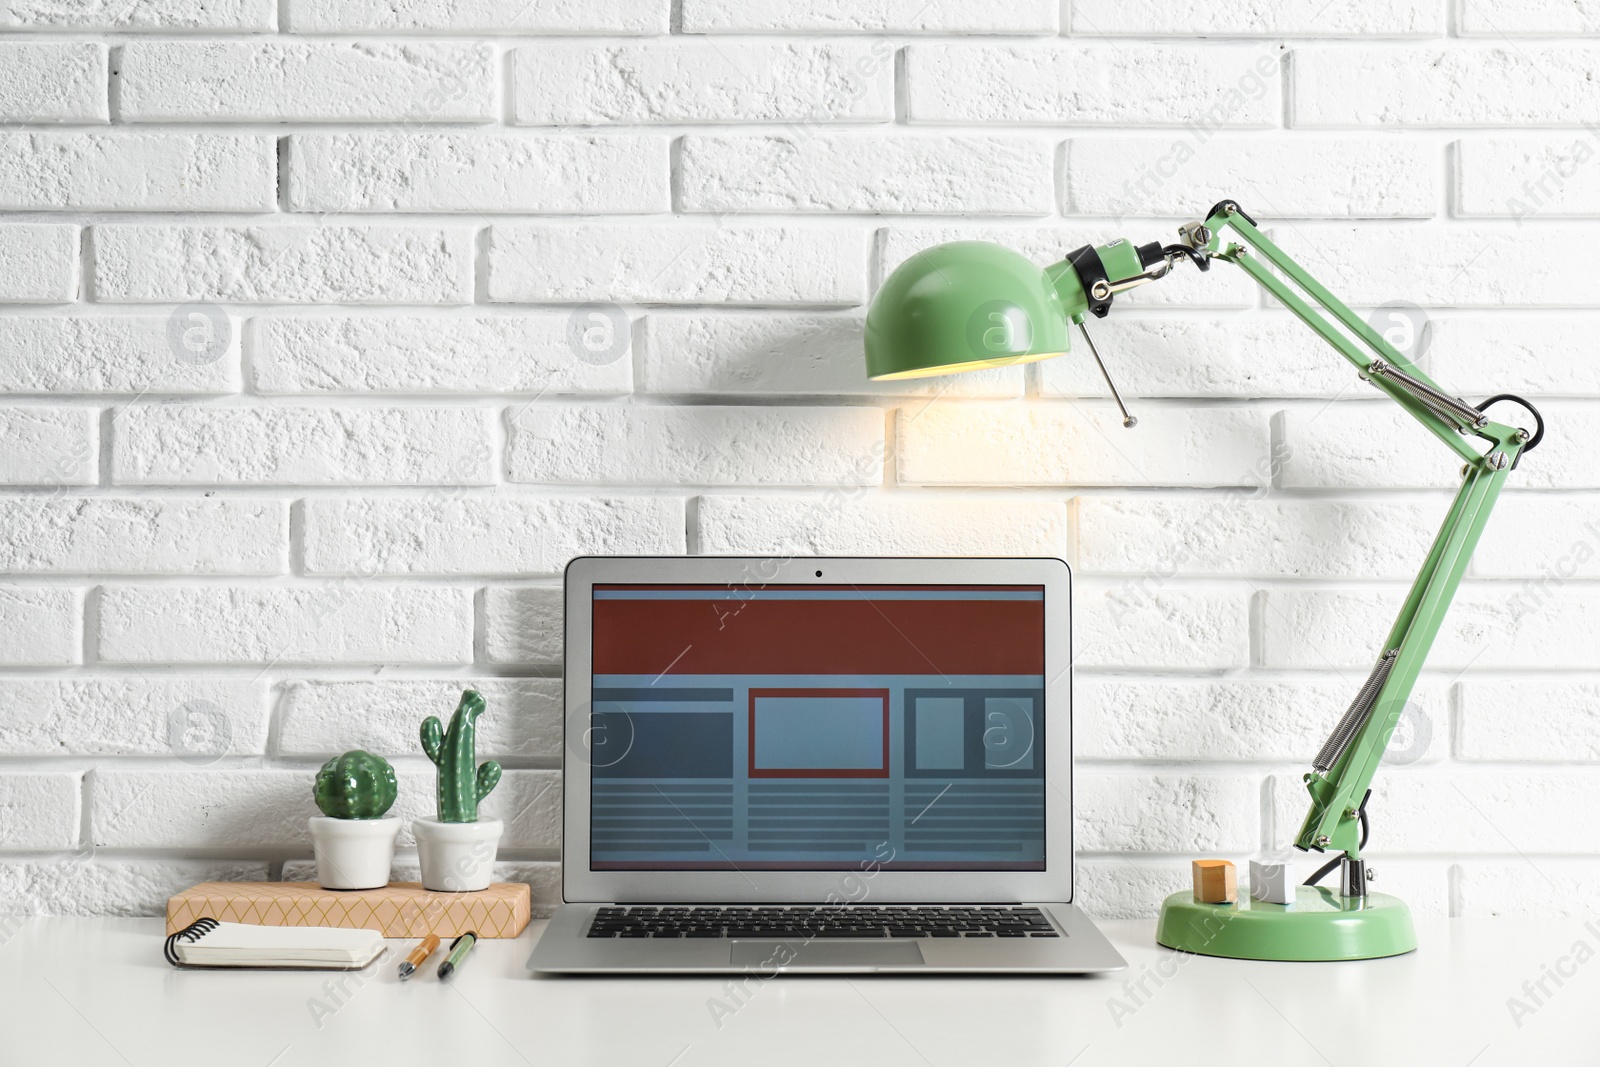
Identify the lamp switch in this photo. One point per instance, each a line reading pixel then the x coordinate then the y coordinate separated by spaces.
pixel 1215 882
pixel 1270 881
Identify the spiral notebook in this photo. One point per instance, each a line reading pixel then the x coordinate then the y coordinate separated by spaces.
pixel 209 943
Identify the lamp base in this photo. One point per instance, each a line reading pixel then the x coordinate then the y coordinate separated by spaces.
pixel 1319 925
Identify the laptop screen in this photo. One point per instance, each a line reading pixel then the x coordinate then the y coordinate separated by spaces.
pixel 788 727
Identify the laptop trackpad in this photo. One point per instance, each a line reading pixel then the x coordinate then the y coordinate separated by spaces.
pixel 780 954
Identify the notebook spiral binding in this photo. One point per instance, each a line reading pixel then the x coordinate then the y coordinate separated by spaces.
pixel 193 932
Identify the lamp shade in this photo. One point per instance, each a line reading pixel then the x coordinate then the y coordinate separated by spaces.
pixel 961 306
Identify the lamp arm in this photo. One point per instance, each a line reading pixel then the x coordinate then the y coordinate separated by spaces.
pixel 1343 770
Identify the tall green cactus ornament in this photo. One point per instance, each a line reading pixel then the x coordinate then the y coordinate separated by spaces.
pixel 454 751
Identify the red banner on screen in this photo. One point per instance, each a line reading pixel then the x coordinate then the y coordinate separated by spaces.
pixel 846 636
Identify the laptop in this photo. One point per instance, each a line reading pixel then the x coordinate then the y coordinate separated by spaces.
pixel 818 765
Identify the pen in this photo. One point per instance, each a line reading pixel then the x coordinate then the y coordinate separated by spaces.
pixel 418 956
pixel 458 952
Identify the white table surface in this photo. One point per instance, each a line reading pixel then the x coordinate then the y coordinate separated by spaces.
pixel 97 991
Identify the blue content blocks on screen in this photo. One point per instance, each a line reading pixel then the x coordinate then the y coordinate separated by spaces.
pixel 821 732
pixel 939 732
pixel 1008 735
pixel 762 772
pixel 664 744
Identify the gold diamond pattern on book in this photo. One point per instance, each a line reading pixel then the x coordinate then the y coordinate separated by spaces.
pixel 399 909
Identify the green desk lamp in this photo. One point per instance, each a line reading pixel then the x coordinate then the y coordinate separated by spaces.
pixel 969 304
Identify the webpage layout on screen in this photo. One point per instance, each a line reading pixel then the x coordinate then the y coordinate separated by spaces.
pixel 817 727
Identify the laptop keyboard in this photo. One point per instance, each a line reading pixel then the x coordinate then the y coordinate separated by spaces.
pixel 825 921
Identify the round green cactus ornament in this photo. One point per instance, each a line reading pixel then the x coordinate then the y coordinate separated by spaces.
pixel 356 785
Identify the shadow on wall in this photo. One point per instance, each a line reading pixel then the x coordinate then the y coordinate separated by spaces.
pixel 756 354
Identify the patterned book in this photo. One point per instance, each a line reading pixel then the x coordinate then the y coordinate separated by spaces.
pixel 399 909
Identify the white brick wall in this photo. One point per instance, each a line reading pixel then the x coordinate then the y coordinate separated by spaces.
pixel 1242 354
pixel 1531 18
pixel 39 810
pixel 888 525
pixel 38 263
pixel 47 446
pixel 616 445
pixel 143 535
pixel 1189 719
pixel 156 15
pixel 268 807
pixel 356 621
pixel 697 263
pixel 519 537
pixel 1518 176
pixel 1163 812
pixel 54 82
pixel 302 81
pixel 392 353
pixel 893 173
pixel 329 332
pixel 130 716
pixel 1046 444
pixel 473 172
pixel 1305 17
pixel 685 80
pixel 111 354
pixel 1457 85
pixel 1310 177
pixel 40 626
pixel 184 445
pixel 477 16
pixel 317 716
pixel 852 16
pixel 522 626
pixel 1100 84
pixel 294 263
pixel 177 172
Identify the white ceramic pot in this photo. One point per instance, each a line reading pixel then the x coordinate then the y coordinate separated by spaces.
pixel 457 857
pixel 353 853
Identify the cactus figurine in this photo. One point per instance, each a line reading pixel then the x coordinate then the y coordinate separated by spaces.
pixel 356 785
pixel 461 788
pixel 456 851
pixel 352 840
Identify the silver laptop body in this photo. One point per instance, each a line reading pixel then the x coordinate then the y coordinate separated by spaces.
pixel 808 741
